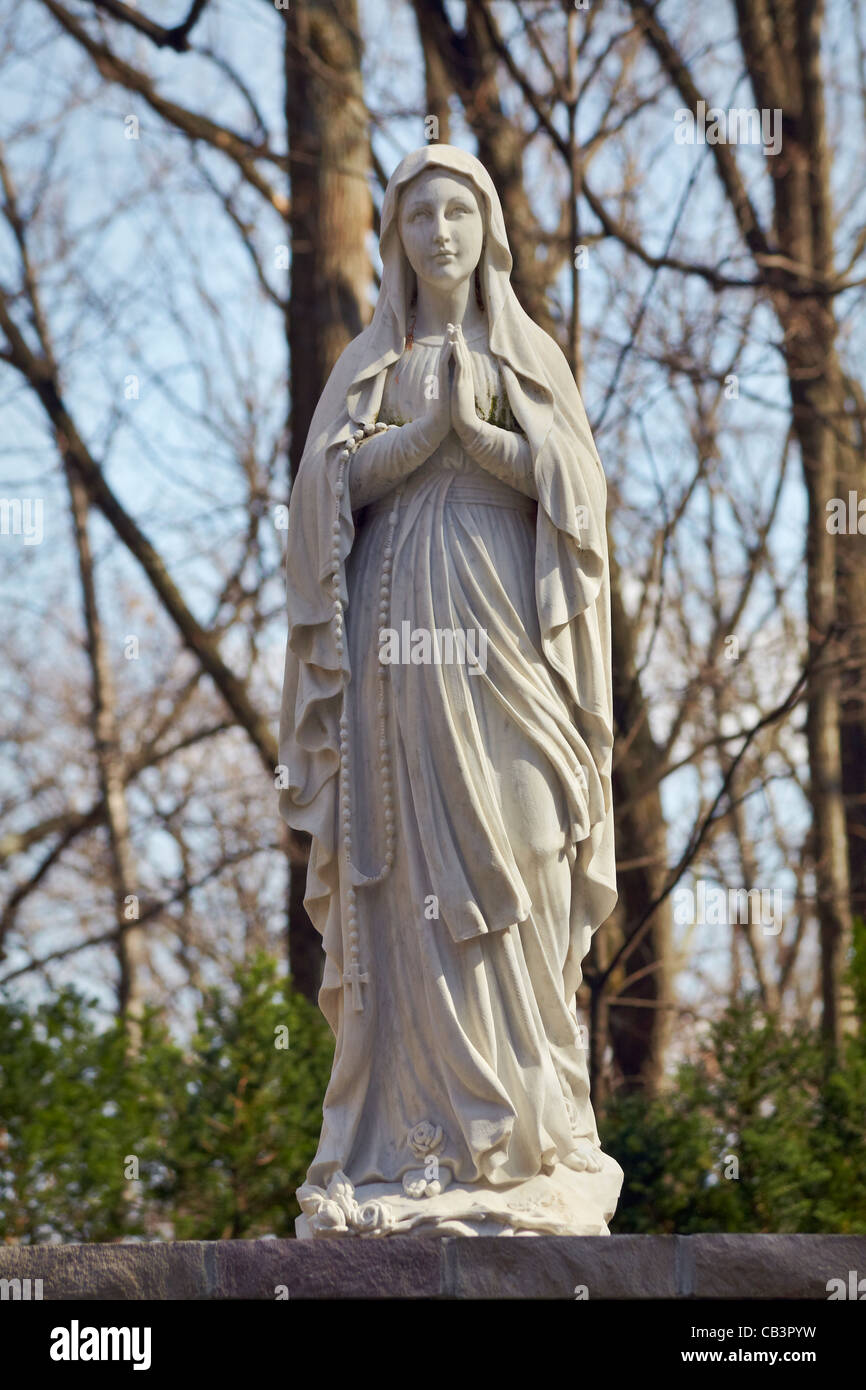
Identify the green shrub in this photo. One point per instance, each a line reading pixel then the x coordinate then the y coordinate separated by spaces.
pixel 220 1133
pixel 752 1136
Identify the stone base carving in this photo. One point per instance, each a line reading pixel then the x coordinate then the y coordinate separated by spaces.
pixel 561 1203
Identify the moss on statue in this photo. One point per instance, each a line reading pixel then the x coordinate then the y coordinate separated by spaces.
pixel 499 413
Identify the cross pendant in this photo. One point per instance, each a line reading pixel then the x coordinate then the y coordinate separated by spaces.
pixel 355 977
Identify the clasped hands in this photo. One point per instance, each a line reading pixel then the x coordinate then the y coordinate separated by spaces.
pixel 387 458
pixel 454 406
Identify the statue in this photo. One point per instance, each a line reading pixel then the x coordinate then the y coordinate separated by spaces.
pixel 446 731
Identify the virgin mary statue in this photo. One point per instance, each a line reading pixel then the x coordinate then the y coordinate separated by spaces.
pixel 445 739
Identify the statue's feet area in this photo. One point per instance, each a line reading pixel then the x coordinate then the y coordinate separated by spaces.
pixel 578 1197
pixel 416 1183
pixel 585 1157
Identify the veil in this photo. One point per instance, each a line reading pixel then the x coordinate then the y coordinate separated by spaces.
pixel 571 566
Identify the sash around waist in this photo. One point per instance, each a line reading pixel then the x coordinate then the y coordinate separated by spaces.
pixel 479 488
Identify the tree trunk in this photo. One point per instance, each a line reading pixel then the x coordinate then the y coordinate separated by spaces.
pixel 784 63
pixel 639 1026
pixel 781 45
pixel 330 217
pixel 131 947
pixel 851 602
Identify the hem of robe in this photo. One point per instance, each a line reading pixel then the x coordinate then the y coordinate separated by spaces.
pixel 561 1202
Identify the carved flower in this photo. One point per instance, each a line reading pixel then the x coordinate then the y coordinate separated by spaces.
pixel 330 1219
pixel 425 1138
pixel 337 1212
pixel 324 1216
pixel 373 1218
pixel 310 1198
pixel 342 1194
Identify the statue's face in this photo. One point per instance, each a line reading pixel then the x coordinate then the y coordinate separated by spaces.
pixel 441 227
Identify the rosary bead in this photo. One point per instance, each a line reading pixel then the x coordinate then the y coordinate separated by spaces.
pixel 381 700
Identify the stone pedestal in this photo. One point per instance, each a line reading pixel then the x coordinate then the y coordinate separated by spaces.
pixel 412 1267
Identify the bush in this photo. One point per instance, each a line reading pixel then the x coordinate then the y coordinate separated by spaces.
pixel 753 1136
pixel 205 1142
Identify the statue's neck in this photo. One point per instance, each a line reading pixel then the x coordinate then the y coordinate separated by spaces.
pixel 436 308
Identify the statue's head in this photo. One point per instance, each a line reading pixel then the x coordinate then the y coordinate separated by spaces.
pixel 442 222
pixel 442 226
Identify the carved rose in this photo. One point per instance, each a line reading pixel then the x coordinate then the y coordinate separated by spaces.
pixel 425 1138
pixel 324 1216
pixel 310 1198
pixel 330 1219
pixel 337 1212
pixel 374 1218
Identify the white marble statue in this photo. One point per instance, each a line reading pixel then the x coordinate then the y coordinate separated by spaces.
pixel 446 732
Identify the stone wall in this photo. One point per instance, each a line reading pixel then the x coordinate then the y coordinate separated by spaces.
pixel 614 1267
